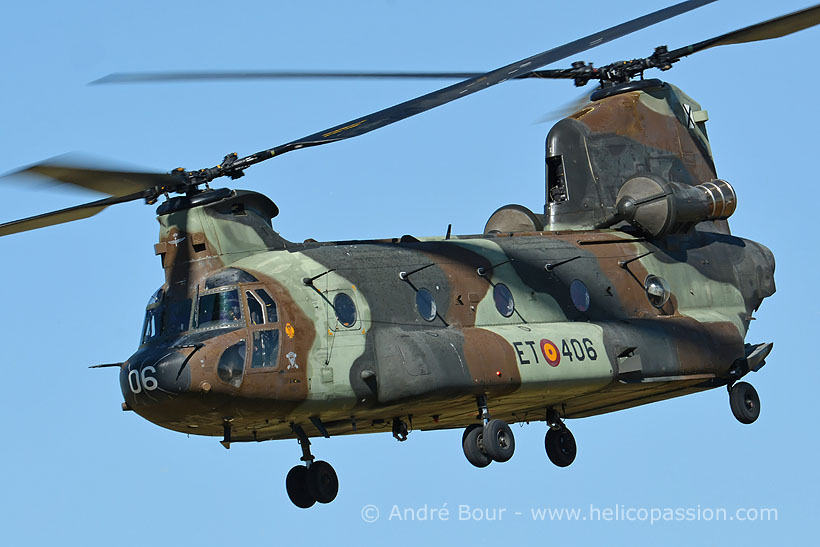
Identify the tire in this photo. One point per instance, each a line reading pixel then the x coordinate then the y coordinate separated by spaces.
pixel 296 484
pixel 472 441
pixel 498 441
pixel 322 482
pixel 560 446
pixel 467 431
pixel 744 402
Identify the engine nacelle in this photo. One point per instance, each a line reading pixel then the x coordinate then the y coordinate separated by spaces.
pixel 658 207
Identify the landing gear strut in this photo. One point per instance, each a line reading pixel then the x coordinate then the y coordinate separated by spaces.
pixel 492 441
pixel 559 442
pixel 312 482
pixel 744 402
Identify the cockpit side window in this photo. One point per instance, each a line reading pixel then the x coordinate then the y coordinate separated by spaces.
pixel 218 309
pixel 265 348
pixel 263 329
pixel 255 314
pixel 270 305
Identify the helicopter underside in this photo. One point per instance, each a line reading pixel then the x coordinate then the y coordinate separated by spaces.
pixel 258 420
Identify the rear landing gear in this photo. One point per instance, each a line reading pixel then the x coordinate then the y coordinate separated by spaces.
pixel 493 441
pixel 744 402
pixel 559 441
pixel 296 484
pixel 312 482
pixel 560 446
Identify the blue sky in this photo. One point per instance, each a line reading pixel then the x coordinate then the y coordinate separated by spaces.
pixel 77 468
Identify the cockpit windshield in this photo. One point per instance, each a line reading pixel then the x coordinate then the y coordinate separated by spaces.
pixel 218 309
pixel 165 316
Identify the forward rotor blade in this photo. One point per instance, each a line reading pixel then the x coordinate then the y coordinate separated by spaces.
pixel 113 183
pixel 773 28
pixel 360 126
pixel 230 75
pixel 145 77
pixel 64 215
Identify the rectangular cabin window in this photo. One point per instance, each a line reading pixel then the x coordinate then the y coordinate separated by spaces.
pixel 556 181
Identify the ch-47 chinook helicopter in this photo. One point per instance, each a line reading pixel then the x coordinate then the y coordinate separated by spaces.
pixel 628 289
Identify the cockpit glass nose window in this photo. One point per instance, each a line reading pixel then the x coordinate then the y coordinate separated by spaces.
pixel 150 329
pixel 176 317
pixel 219 308
pixel 165 315
pixel 152 326
pixel 155 299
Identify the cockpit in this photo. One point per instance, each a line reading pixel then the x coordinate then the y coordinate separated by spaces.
pixel 227 302
pixel 217 308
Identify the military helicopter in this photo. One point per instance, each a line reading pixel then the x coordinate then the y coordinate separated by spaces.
pixel 627 290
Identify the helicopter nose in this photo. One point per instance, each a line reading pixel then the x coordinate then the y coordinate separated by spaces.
pixel 155 376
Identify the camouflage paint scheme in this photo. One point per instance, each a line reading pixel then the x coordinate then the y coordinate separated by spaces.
pixel 621 352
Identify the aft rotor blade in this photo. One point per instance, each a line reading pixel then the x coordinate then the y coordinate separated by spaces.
pixel 773 28
pixel 64 215
pixel 371 122
pixel 113 183
pixel 567 108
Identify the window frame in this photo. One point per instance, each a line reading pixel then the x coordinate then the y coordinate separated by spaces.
pixel 267 325
pixel 195 326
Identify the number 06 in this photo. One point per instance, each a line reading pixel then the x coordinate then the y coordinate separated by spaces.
pixel 138 381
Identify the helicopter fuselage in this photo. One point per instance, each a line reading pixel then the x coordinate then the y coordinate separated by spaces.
pixel 255 333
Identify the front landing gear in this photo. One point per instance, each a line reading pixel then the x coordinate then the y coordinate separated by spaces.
pixel 312 482
pixel 559 441
pixel 744 402
pixel 473 444
pixel 493 441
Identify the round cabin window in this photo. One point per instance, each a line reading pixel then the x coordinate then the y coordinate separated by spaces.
pixel 345 309
pixel 657 290
pixel 426 304
pixel 504 302
pixel 579 294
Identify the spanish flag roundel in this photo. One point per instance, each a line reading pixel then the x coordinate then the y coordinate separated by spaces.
pixel 551 353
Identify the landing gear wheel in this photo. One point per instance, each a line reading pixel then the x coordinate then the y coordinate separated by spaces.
pixel 322 482
pixel 498 440
pixel 296 484
pixel 745 402
pixel 472 442
pixel 467 431
pixel 560 445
